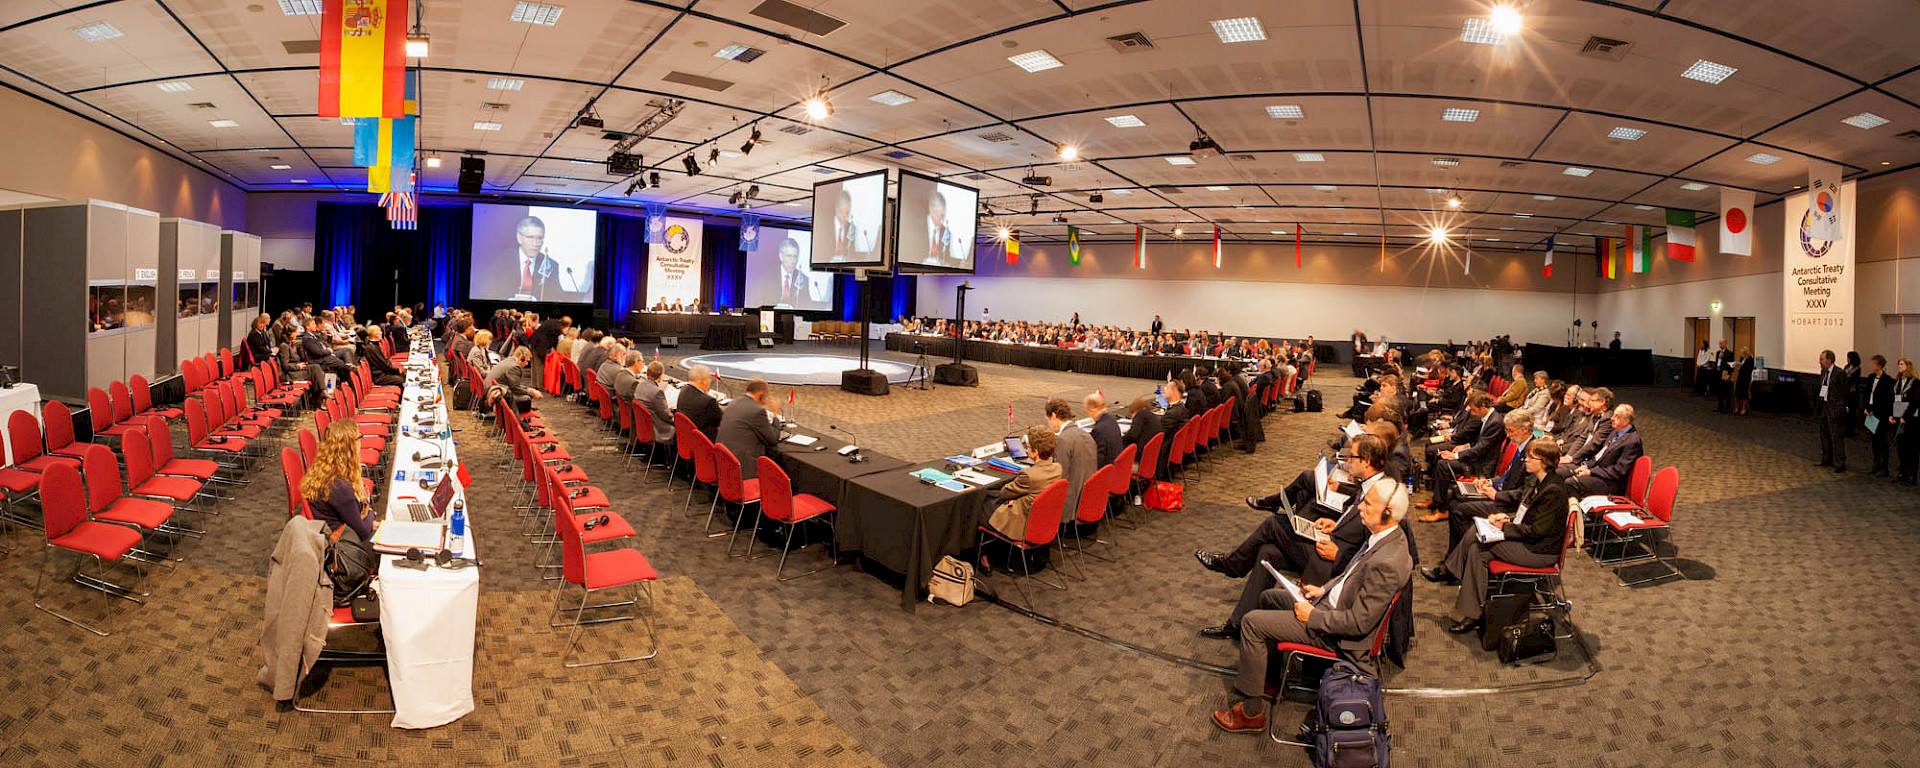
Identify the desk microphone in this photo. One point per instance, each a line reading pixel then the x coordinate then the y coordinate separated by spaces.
pixel 853 456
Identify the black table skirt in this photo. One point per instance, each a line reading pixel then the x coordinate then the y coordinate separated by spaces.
pixel 907 526
pixel 825 473
pixel 725 335
pixel 1054 358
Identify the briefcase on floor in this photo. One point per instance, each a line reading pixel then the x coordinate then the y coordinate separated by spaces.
pixel 1500 611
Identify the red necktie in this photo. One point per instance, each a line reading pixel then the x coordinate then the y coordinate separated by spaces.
pixel 526 277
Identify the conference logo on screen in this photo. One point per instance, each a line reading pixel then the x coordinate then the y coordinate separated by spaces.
pixel 1806 237
pixel 677 238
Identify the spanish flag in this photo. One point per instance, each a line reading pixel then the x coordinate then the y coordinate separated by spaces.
pixel 363 58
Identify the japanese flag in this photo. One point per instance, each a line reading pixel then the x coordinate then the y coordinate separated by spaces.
pixel 1736 222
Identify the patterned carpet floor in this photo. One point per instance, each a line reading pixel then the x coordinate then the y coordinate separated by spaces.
pixel 1789 646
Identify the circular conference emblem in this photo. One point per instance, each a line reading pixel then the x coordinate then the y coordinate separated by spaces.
pixel 677 238
pixel 1807 243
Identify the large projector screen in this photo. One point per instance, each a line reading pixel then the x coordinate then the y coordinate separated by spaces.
pixel 532 253
pixel 849 218
pixel 778 273
pixel 936 225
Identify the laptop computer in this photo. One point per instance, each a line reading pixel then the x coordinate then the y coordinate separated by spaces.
pixel 1467 489
pixel 437 509
pixel 1017 448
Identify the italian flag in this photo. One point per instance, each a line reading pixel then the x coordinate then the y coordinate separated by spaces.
pixel 1139 246
pixel 1680 236
pixel 1640 243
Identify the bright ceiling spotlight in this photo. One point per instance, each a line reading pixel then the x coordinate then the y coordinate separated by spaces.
pixel 1069 152
pixel 1453 202
pixel 1003 233
pixel 818 108
pixel 1506 20
pixel 1437 234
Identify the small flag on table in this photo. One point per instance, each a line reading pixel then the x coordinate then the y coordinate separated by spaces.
pixel 789 395
pixel 1546 270
pixel 1073 245
pixel 1139 246
pixel 1680 235
pixel 363 58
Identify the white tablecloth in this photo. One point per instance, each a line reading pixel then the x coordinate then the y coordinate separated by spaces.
pixel 427 616
pixel 22 397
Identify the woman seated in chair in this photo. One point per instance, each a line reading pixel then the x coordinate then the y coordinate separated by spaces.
pixel 1016 498
pixel 1533 537
pixel 332 486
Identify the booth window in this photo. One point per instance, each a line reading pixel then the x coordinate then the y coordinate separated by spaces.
pixel 106 307
pixel 140 304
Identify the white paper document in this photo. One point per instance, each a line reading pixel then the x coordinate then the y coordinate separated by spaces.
pixel 1284 582
pixel 1304 528
pixel 802 439
pixel 976 477
pixel 1623 519
pixel 397 536
pixel 1488 532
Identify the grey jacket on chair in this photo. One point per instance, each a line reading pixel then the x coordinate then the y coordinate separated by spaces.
pixel 299 605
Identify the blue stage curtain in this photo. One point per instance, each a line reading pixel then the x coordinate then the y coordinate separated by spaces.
pixel 620 265
pixel 364 262
pixel 892 297
pixel 905 289
pixel 723 267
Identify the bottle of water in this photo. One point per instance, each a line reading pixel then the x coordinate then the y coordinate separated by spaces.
pixel 457 542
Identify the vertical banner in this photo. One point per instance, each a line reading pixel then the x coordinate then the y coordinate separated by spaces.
pixel 1013 247
pixel 1296 246
pixel 363 58
pixel 749 231
pixel 1546 271
pixel 674 264
pixel 1073 245
pixel 1818 289
pixel 1736 222
pixel 656 225
pixel 1640 247
pixel 1139 246
pixel 1824 210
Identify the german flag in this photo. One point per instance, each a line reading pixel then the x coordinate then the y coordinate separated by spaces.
pixel 363 58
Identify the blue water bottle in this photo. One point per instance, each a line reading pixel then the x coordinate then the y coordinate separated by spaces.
pixel 458 541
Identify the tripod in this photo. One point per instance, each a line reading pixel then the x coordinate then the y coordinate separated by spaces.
pixel 921 368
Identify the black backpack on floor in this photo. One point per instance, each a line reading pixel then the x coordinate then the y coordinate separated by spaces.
pixel 1349 724
pixel 1314 405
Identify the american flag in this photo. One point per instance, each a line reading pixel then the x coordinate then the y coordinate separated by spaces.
pixel 403 212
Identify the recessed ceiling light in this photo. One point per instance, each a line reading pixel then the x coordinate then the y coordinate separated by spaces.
pixel 1325 187
pixel 1179 160
pixel 1580 172
pixel 1523 215
pixel 1623 132
pixel 300 7
pixel 1506 229
pixel 1125 121
pixel 890 98
pixel 175 86
pixel 1493 239
pixel 280 167
pixel 505 84
pixel 485 125
pixel 1545 197
pixel 1217 188
pixel 1285 112
pixel 1762 158
pixel 1708 72
pixel 730 153
pixel 97 32
pixel 1459 115
pixel 1506 20
pixel 223 123
pixel 1481 32
pixel 1278 232
pixel 1349 234
pixel 1883 162
pixel 1693 186
pixel 1242 30
pixel 1446 162
pixel 1309 157
pixel 1436 191
pixel 433 161
pixel 732 51
pixel 537 13
pixel 298 181
pixel 1865 121
pixel 1120 191
pixel 1035 61
pixel 1643 207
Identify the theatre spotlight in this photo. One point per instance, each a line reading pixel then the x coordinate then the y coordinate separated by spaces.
pixel 747 148
pixel 653 179
pixel 693 168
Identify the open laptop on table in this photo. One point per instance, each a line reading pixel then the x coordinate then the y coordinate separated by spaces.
pixel 436 509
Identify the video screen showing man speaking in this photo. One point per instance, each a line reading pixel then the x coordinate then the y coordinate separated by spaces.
pixel 532 253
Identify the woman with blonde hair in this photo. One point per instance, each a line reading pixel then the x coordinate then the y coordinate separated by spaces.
pixel 481 358
pixel 333 487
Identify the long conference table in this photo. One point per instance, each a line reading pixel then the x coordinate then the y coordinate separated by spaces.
pixel 716 331
pixel 1097 362
pixel 427 616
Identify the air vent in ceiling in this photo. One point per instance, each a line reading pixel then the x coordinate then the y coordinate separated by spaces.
pixel 1244 157
pixel 1511 163
pixel 795 129
pixel 697 81
pixel 493 105
pixel 796 16
pixel 201 105
pixel 298 47
pixel 825 171
pixel 996 137
pixel 1130 42
pixel 1605 48
pixel 749 55
pixel 1908 135
pixel 977 177
pixel 1168 189
pixel 899 154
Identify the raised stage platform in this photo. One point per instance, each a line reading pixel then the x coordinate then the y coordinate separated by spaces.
pixel 790 369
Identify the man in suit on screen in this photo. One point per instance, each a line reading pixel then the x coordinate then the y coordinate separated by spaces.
pixel 849 242
pixel 536 275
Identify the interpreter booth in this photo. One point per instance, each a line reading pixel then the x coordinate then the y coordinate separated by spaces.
pixel 83 278
pixel 239 286
pixel 189 276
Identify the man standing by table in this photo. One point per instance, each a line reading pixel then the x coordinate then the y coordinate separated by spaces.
pixel 747 430
pixel 1075 450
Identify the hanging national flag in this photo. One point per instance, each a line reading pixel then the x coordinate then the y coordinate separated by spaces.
pixel 749 231
pixel 1639 247
pixel 789 395
pixel 1547 270
pixel 1073 245
pixel 1139 246
pixel 1823 202
pixel 1468 270
pixel 1680 235
pixel 1012 245
pixel 1296 246
pixel 363 58
pixel 656 223
pixel 403 211
pixel 1736 222
pixel 388 144
pixel 1610 255
pixel 1216 246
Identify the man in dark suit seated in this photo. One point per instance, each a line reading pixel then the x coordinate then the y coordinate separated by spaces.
pixel 1105 429
pixel 318 352
pixel 1531 537
pixel 1462 428
pixel 1499 489
pixel 384 372
pixel 1172 420
pixel 1145 423
pixel 697 402
pixel 746 430
pixel 1275 541
pixel 1607 471
pixel 1343 614
pixel 1466 459
pixel 1597 405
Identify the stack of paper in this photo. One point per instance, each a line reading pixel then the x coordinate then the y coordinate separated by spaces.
pixel 1623 519
pixel 1488 532
pixel 798 439
pixel 398 536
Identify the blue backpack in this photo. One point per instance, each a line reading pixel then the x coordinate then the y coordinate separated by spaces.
pixel 1350 729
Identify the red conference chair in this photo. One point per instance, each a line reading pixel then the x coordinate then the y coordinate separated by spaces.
pixel 1304 654
pixel 143 400
pixel 780 504
pixel 1657 515
pixel 594 572
pixel 59 426
pixel 1124 468
pixel 121 400
pixel 64 506
pixel 295 471
pixel 642 435
pixel 1545 581
pixel 683 430
pixel 1149 463
pixel 369 457
pixel 703 470
pixel 736 490
pixel 310 445
pixel 147 516
pixel 606 524
pixel 1092 507
pixel 1043 526
pixel 1635 501
pixel 143 482
pixel 100 412
pixel 23 433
